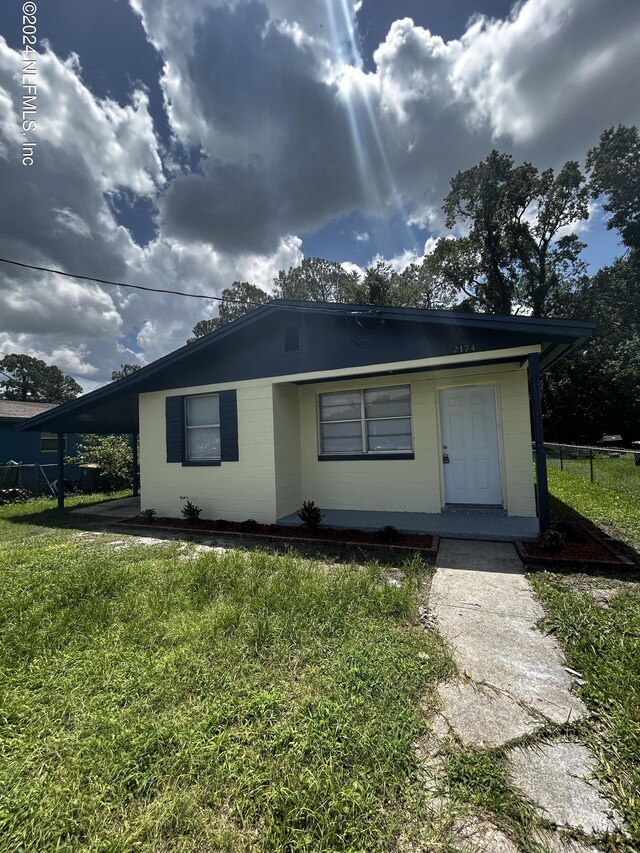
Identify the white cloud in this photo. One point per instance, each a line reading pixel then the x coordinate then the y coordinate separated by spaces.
pixel 361 236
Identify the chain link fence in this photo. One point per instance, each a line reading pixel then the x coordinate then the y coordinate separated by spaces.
pixel 612 468
pixel 20 481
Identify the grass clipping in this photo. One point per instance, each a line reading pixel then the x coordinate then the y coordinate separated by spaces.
pixel 229 701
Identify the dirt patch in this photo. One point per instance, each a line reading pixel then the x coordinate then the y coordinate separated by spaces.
pixel 417 541
pixel 580 547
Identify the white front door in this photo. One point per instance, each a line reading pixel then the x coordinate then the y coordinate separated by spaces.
pixel 471 465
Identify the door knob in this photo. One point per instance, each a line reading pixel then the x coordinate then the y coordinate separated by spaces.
pixel 445 458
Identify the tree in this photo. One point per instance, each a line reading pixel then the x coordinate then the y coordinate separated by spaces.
pixel 28 378
pixel 112 454
pixel 513 252
pixel 316 280
pixel 125 370
pixel 597 389
pixel 614 167
pixel 238 300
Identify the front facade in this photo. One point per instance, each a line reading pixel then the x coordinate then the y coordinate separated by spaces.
pixel 462 437
pixel 359 409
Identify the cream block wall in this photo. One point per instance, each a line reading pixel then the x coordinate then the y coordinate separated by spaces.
pixel 286 419
pixel 278 466
pixel 416 485
pixel 233 490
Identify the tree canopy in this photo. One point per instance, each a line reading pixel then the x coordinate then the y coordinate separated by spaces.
pixel 238 300
pixel 25 378
pixel 125 370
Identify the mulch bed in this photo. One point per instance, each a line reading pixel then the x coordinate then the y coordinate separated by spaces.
pixel 347 539
pixel 582 548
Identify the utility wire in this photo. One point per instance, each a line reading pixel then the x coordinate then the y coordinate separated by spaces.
pixel 124 284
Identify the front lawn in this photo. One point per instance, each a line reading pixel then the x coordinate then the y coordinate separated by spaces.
pixel 572 496
pixel 597 621
pixel 157 698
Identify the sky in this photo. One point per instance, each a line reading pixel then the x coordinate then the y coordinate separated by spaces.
pixel 186 146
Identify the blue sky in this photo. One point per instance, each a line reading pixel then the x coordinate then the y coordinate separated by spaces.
pixel 196 145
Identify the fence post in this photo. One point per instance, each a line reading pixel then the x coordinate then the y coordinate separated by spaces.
pixel 60 470
pixel 561 461
pixel 591 462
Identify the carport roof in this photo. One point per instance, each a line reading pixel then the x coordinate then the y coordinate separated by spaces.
pixel 334 335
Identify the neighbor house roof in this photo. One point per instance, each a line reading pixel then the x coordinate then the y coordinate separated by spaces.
pixel 288 337
pixel 18 410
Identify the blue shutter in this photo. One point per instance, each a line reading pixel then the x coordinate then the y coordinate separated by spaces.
pixel 174 412
pixel 228 426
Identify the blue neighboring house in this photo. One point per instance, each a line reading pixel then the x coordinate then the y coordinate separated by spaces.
pixel 29 448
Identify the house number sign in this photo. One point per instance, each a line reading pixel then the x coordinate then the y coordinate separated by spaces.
pixel 462 348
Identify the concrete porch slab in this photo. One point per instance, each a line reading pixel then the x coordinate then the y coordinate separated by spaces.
pixel 458 525
pixel 120 508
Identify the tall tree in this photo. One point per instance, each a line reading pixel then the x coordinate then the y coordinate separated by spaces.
pixel 614 167
pixel 514 251
pixel 597 389
pixel 316 280
pixel 238 300
pixel 125 370
pixel 31 379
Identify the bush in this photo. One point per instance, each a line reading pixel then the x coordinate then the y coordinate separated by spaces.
pixel 149 514
pixel 388 534
pixel 310 515
pixel 550 540
pixel 248 526
pixel 112 454
pixel 191 512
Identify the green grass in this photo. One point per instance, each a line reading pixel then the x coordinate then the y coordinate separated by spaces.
pixel 619 474
pixel 230 701
pixel 603 644
pixel 573 496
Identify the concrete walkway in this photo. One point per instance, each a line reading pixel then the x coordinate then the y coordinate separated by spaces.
pixel 513 680
pixel 462 525
pixel 119 508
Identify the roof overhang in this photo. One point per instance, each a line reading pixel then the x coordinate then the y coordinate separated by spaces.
pixel 114 407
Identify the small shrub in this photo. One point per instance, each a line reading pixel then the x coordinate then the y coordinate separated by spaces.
pixel 388 534
pixel 149 514
pixel 310 515
pixel 191 512
pixel 248 526
pixel 550 540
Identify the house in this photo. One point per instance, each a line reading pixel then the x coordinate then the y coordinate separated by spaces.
pixel 29 448
pixel 379 415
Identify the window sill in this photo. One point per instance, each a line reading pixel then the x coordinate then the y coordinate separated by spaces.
pixel 201 463
pixel 370 457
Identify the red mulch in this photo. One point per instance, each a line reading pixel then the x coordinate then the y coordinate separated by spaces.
pixel 579 545
pixel 364 537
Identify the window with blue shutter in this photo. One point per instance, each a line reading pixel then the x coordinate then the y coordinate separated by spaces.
pixel 202 429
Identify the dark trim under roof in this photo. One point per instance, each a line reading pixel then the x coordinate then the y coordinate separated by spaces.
pixel 114 407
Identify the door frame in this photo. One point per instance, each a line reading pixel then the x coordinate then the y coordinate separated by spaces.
pixel 462 385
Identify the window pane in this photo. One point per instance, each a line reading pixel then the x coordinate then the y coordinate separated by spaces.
pixel 342 438
pixel 203 410
pixel 203 443
pixel 340 406
pixel 393 434
pixel 48 442
pixel 387 402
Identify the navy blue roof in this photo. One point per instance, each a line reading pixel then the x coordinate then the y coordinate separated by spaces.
pixel 285 337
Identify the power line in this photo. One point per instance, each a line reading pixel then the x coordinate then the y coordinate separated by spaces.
pixel 132 286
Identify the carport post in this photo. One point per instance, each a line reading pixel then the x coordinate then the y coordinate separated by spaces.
pixel 136 474
pixel 60 470
pixel 538 438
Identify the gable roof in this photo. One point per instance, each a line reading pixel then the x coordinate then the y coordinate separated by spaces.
pixel 328 336
pixel 19 410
